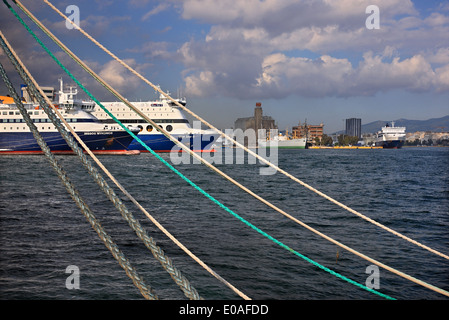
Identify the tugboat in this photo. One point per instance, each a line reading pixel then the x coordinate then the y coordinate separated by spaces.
pixel 16 137
pixel 390 137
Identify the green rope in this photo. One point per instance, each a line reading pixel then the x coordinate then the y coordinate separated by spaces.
pixel 144 289
pixel 187 179
pixel 158 253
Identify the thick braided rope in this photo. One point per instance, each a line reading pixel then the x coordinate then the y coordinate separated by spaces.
pixel 262 159
pixel 218 171
pixel 205 162
pixel 157 252
pixel 214 200
pixel 107 240
pixel 216 275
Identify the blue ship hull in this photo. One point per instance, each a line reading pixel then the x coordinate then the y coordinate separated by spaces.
pixel 24 142
pixel 160 143
pixel 393 144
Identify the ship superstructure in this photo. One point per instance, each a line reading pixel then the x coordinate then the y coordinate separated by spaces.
pixel 16 137
pixel 164 113
pixel 390 137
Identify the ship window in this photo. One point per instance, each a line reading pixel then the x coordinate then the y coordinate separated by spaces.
pixel 5 113
pixel 140 128
pixel 11 113
pixel 149 128
pixel 169 128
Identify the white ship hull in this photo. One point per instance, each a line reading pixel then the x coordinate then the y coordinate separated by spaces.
pixel 283 144
pixel 165 114
pixel 390 137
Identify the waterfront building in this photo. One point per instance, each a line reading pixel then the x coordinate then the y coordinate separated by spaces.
pixel 309 131
pixel 258 121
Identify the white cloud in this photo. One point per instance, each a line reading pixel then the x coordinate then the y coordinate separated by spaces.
pixel 310 77
pixel 197 85
pixel 441 56
pixel 281 15
pixel 442 75
pixel 159 8
pixel 412 74
pixel 281 76
pixel 276 48
pixel 118 77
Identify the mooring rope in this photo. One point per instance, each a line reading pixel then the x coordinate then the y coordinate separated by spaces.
pixel 255 228
pixel 165 261
pixel 262 159
pixel 85 67
pixel 158 253
pixel 202 191
pixel 138 281
pixel 166 133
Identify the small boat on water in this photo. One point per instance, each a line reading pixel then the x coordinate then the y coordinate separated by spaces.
pixel 16 137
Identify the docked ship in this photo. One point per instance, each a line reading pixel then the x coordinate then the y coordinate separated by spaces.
pixel 16 137
pixel 283 142
pixel 167 115
pixel 390 137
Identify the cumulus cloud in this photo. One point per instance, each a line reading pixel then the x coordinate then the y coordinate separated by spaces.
pixel 282 76
pixel 276 48
pixel 118 77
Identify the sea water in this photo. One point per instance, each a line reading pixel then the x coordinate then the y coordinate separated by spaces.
pixel 43 232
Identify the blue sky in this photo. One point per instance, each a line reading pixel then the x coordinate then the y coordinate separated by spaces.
pixel 303 60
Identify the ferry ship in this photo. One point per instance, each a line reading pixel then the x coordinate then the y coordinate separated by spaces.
pixel 166 114
pixel 16 137
pixel 390 137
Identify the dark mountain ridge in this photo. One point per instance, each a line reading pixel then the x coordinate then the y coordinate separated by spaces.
pixel 433 125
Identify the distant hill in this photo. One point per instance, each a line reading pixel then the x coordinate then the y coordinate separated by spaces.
pixel 434 125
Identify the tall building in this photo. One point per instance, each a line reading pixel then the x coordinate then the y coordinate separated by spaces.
pixel 354 127
pixel 258 121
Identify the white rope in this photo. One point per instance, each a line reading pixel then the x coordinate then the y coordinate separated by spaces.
pixel 208 164
pixel 242 146
pixel 107 172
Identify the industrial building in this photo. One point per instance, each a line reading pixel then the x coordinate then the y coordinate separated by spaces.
pixel 258 121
